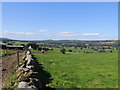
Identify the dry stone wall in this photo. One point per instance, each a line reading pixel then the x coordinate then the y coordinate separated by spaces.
pixel 26 74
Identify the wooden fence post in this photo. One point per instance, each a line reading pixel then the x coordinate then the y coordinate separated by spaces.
pixel 3 52
pixel 25 48
pixel 6 51
pixel 18 56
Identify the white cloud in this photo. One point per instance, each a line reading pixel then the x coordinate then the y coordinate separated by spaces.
pixel 43 30
pixel 60 35
pixel 91 34
pixel 18 33
pixel 67 32
pixel 69 35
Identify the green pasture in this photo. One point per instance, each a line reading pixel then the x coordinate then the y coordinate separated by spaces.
pixel 6 52
pixel 18 43
pixel 79 70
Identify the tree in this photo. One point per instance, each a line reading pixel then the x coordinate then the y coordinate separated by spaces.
pixel 75 47
pixel 70 50
pixel 111 51
pixel 10 44
pixel 109 47
pixel 63 50
pixel 33 45
pixel 4 41
pixel 24 46
pixel 45 49
pixel 40 48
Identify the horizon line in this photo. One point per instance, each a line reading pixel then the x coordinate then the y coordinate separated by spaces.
pixel 65 39
pixel 60 1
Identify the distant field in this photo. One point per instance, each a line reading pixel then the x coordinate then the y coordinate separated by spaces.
pixel 18 43
pixel 4 52
pixel 80 70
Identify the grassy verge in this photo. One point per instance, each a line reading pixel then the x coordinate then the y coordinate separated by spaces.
pixel 9 84
pixel 12 79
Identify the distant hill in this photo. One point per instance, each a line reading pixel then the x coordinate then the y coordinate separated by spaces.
pixel 5 39
pixel 60 41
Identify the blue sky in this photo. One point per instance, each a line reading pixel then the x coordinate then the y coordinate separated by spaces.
pixel 60 20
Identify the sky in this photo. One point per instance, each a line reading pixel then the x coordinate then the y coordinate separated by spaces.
pixel 60 20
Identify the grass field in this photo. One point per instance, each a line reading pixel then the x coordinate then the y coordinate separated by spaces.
pixel 80 70
pixel 5 52
pixel 17 43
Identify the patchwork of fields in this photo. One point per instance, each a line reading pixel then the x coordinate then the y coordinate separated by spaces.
pixel 79 70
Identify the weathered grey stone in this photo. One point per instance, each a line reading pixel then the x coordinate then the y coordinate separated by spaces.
pixel 28 74
pixel 19 72
pixel 15 84
pixel 28 57
pixel 22 69
pixel 23 77
pixel 28 53
pixel 24 58
pixel 23 65
pixel 36 82
pixel 25 69
pixel 30 67
pixel 20 64
pixel 33 87
pixel 31 70
pixel 25 89
pixel 22 85
pixel 29 61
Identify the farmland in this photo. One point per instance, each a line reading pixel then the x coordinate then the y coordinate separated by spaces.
pixel 6 52
pixel 59 45
pixel 69 64
pixel 80 70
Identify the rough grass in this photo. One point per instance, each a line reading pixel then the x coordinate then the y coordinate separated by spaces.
pixel 10 80
pixel 80 70
pixel 6 52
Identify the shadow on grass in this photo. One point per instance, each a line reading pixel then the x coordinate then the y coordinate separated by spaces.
pixel 44 76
